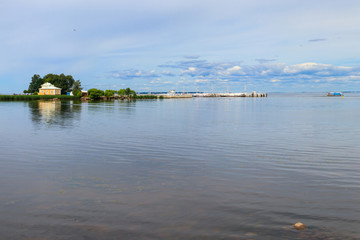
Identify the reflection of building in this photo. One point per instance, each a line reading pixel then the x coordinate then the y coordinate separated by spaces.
pixel 54 113
pixel 49 89
pixel 48 109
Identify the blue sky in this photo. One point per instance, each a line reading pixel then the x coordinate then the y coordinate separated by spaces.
pixel 159 45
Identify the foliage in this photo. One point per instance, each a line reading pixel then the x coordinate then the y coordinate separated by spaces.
pixel 145 97
pixel 34 97
pixel 66 83
pixel 78 94
pixel 94 93
pixel 121 92
pixel 35 84
pixel 61 81
pixel 127 92
pixel 110 93
pixel 76 90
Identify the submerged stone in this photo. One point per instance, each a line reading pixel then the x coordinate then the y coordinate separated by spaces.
pixel 299 226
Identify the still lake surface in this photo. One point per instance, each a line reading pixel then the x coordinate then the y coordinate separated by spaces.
pixel 201 168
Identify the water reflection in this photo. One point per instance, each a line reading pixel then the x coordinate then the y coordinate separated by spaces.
pixel 55 113
pixel 180 169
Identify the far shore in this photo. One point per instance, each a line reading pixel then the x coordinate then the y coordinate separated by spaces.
pixel 36 97
pixel 67 97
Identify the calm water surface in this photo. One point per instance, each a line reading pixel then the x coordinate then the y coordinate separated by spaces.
pixel 201 168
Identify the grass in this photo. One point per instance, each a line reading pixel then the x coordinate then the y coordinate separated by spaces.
pixel 35 97
pixel 145 97
pixel 61 97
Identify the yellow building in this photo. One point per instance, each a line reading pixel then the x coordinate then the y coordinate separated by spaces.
pixel 49 89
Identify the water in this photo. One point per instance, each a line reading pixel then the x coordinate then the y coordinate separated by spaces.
pixel 202 168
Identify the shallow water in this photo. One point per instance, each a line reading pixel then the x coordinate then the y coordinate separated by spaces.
pixel 201 168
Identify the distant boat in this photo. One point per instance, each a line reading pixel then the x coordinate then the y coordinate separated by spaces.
pixel 335 94
pixel 172 93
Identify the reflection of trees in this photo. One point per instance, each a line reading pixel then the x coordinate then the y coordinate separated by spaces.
pixel 59 113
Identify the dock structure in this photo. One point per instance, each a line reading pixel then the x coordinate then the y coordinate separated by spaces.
pixel 173 94
pixel 176 95
pixel 253 94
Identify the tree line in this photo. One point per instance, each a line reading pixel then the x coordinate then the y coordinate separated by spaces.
pixel 94 93
pixel 65 82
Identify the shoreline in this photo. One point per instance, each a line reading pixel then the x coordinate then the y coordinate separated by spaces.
pixel 137 97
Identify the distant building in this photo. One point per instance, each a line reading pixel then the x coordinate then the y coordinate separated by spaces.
pixel 49 89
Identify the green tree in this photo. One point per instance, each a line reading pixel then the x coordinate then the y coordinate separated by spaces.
pixel 128 91
pixel 77 88
pixel 61 81
pixel 35 84
pixel 110 93
pixel 95 93
pixel 122 92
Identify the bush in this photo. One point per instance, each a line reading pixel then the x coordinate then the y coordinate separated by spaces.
pixel 122 92
pixel 78 94
pixel 144 97
pixel 95 93
pixel 110 93
pixel 127 92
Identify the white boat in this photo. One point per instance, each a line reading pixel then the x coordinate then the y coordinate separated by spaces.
pixel 335 94
pixel 172 93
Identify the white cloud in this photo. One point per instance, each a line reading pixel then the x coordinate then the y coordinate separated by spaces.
pixel 354 77
pixel 202 80
pixel 37 36
pixel 189 71
pixel 167 73
pixel 275 80
pixel 235 70
pixel 131 73
pixel 316 68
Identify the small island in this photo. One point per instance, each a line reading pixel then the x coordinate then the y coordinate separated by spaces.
pixel 64 87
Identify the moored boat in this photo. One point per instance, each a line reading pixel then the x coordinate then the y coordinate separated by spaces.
pixel 335 94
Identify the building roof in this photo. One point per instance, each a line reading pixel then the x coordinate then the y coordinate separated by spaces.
pixel 48 86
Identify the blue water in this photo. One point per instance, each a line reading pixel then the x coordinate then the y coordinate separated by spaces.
pixel 201 168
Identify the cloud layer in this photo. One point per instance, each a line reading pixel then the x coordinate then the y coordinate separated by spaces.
pixel 218 41
pixel 199 72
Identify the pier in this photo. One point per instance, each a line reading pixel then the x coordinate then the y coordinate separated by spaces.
pixel 180 95
pixel 253 94
pixel 173 94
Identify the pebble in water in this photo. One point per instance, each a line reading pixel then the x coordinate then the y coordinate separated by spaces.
pixel 299 226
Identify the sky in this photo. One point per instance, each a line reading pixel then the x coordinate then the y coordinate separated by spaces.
pixel 158 45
